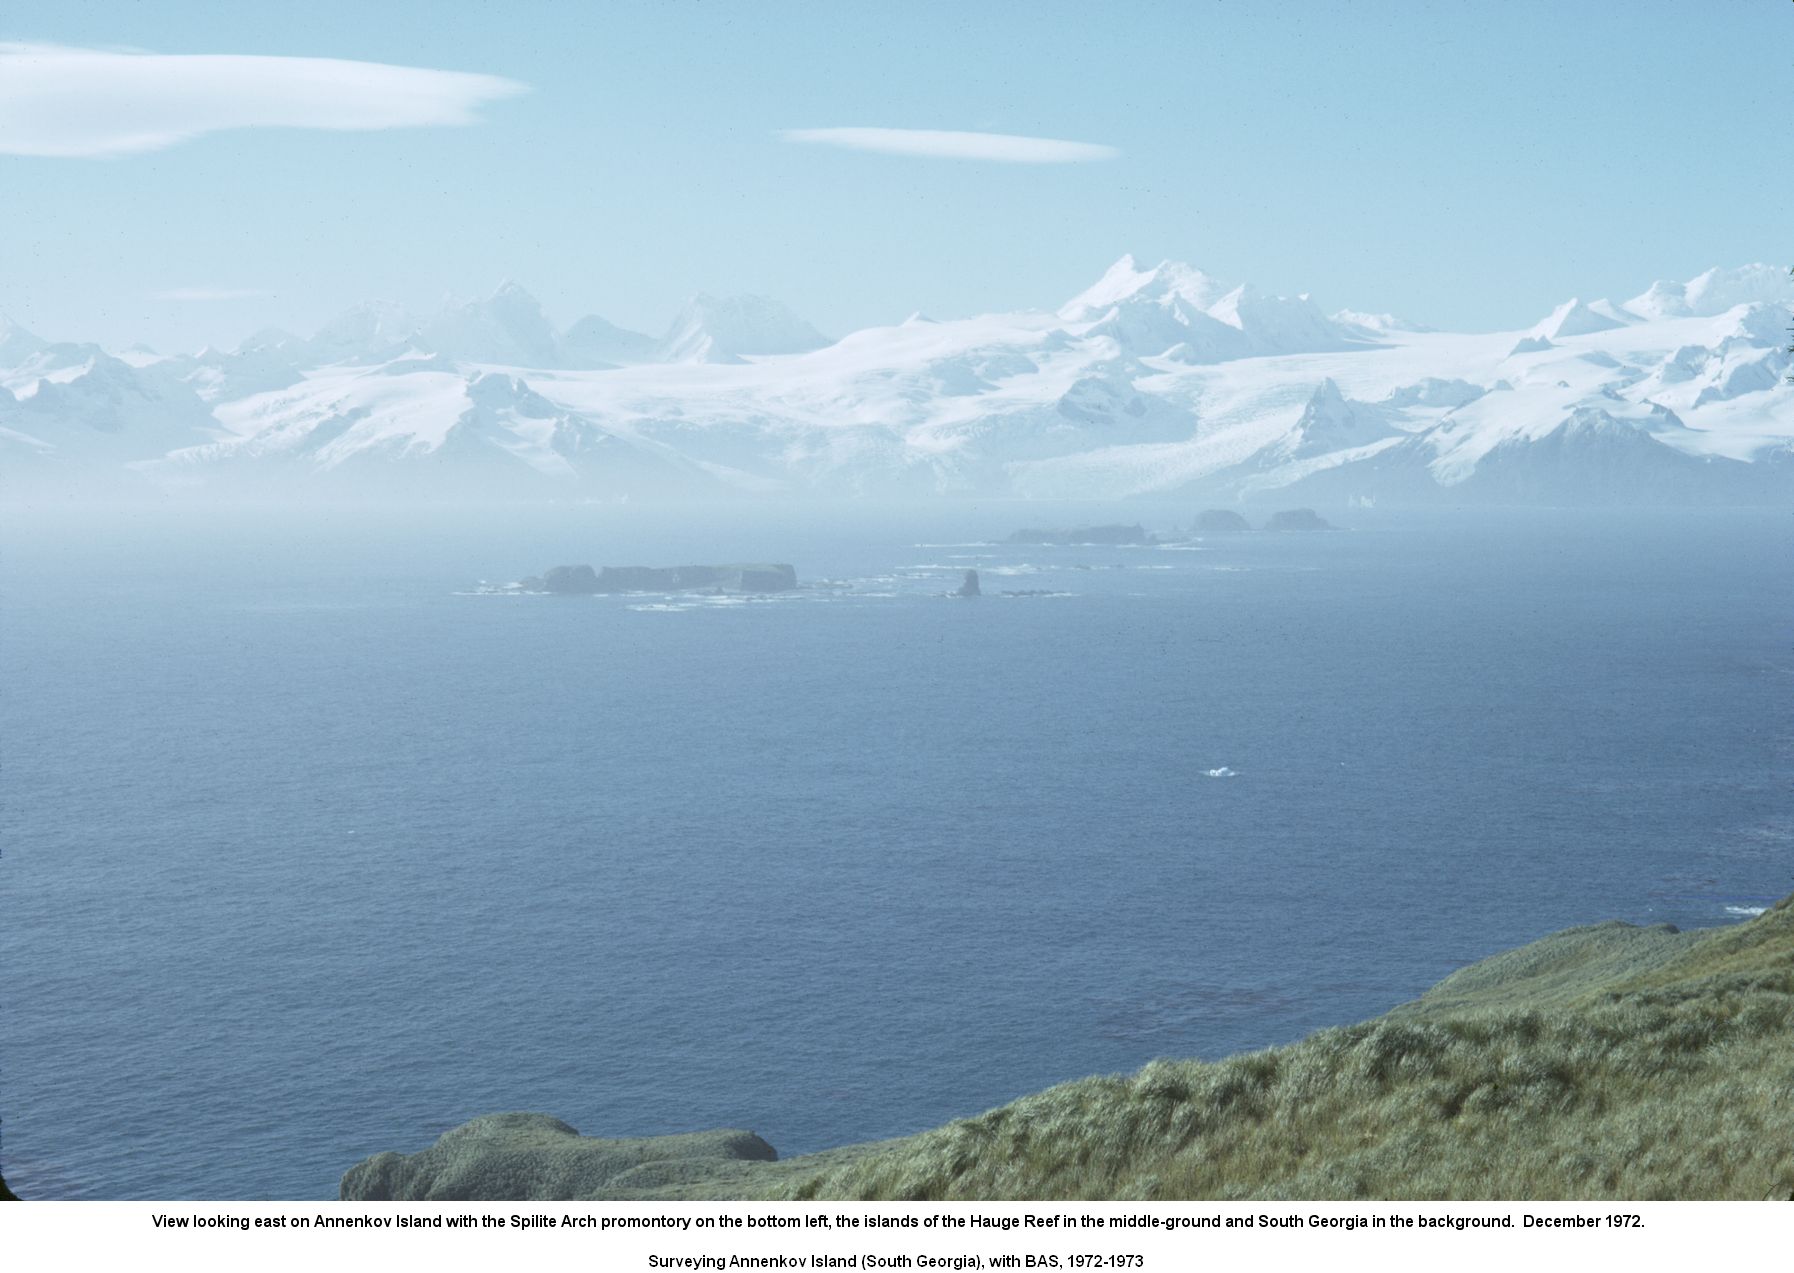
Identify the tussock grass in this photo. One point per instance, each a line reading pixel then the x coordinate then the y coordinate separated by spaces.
pixel 1604 1062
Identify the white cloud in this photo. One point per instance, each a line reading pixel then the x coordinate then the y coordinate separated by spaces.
pixel 209 294
pixel 66 102
pixel 928 143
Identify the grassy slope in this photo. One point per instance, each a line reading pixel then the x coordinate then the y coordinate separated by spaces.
pixel 1603 1062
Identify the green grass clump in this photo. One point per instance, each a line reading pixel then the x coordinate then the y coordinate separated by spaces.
pixel 1605 1062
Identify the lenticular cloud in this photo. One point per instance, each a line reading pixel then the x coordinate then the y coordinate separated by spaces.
pixel 65 102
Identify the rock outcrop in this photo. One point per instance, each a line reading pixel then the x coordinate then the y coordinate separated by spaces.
pixel 969 588
pixel 1135 534
pixel 522 1157
pixel 579 580
pixel 1298 519
pixel 1221 521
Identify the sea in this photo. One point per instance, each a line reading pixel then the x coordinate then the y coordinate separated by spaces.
pixel 317 842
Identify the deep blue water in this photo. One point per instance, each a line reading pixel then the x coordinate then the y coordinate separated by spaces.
pixel 309 855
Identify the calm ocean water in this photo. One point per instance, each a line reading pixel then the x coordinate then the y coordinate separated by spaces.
pixel 309 853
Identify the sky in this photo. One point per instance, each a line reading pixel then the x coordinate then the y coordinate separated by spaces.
pixel 1465 165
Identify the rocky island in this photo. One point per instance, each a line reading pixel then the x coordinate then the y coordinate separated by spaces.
pixel 1298 519
pixel 583 580
pixel 1221 521
pixel 1607 1062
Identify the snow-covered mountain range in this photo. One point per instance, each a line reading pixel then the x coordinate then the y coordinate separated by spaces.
pixel 1152 381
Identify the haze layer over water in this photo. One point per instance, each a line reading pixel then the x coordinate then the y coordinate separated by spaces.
pixel 312 853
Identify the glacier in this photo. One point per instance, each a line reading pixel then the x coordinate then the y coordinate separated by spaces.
pixel 1154 381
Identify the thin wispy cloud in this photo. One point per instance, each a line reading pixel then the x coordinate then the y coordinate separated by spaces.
pixel 1003 148
pixel 94 103
pixel 205 294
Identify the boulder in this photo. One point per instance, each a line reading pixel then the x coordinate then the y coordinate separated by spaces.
pixel 535 1157
pixel 970 587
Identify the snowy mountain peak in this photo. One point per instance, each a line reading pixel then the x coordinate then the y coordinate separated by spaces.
pixel 16 344
pixel 105 370
pixel 1179 312
pixel 109 400
pixel 365 332
pixel 1715 291
pixel 507 327
pixel 1663 299
pixel 1280 324
pixel 1327 398
pixel 1718 290
pixel 1163 284
pixel 1171 383
pixel 1605 421
pixel 1573 318
pixel 728 329
pixel 1332 422
pixel 598 342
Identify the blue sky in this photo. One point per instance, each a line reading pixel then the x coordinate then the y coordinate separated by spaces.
pixel 1464 164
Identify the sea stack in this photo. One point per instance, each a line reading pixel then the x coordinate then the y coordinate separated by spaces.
pixel 970 587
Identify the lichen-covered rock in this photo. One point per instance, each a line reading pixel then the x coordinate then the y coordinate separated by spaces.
pixel 535 1157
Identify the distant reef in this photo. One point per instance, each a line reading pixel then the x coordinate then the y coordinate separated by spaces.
pixel 1606 1062
pixel 1084 535
pixel 757 578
